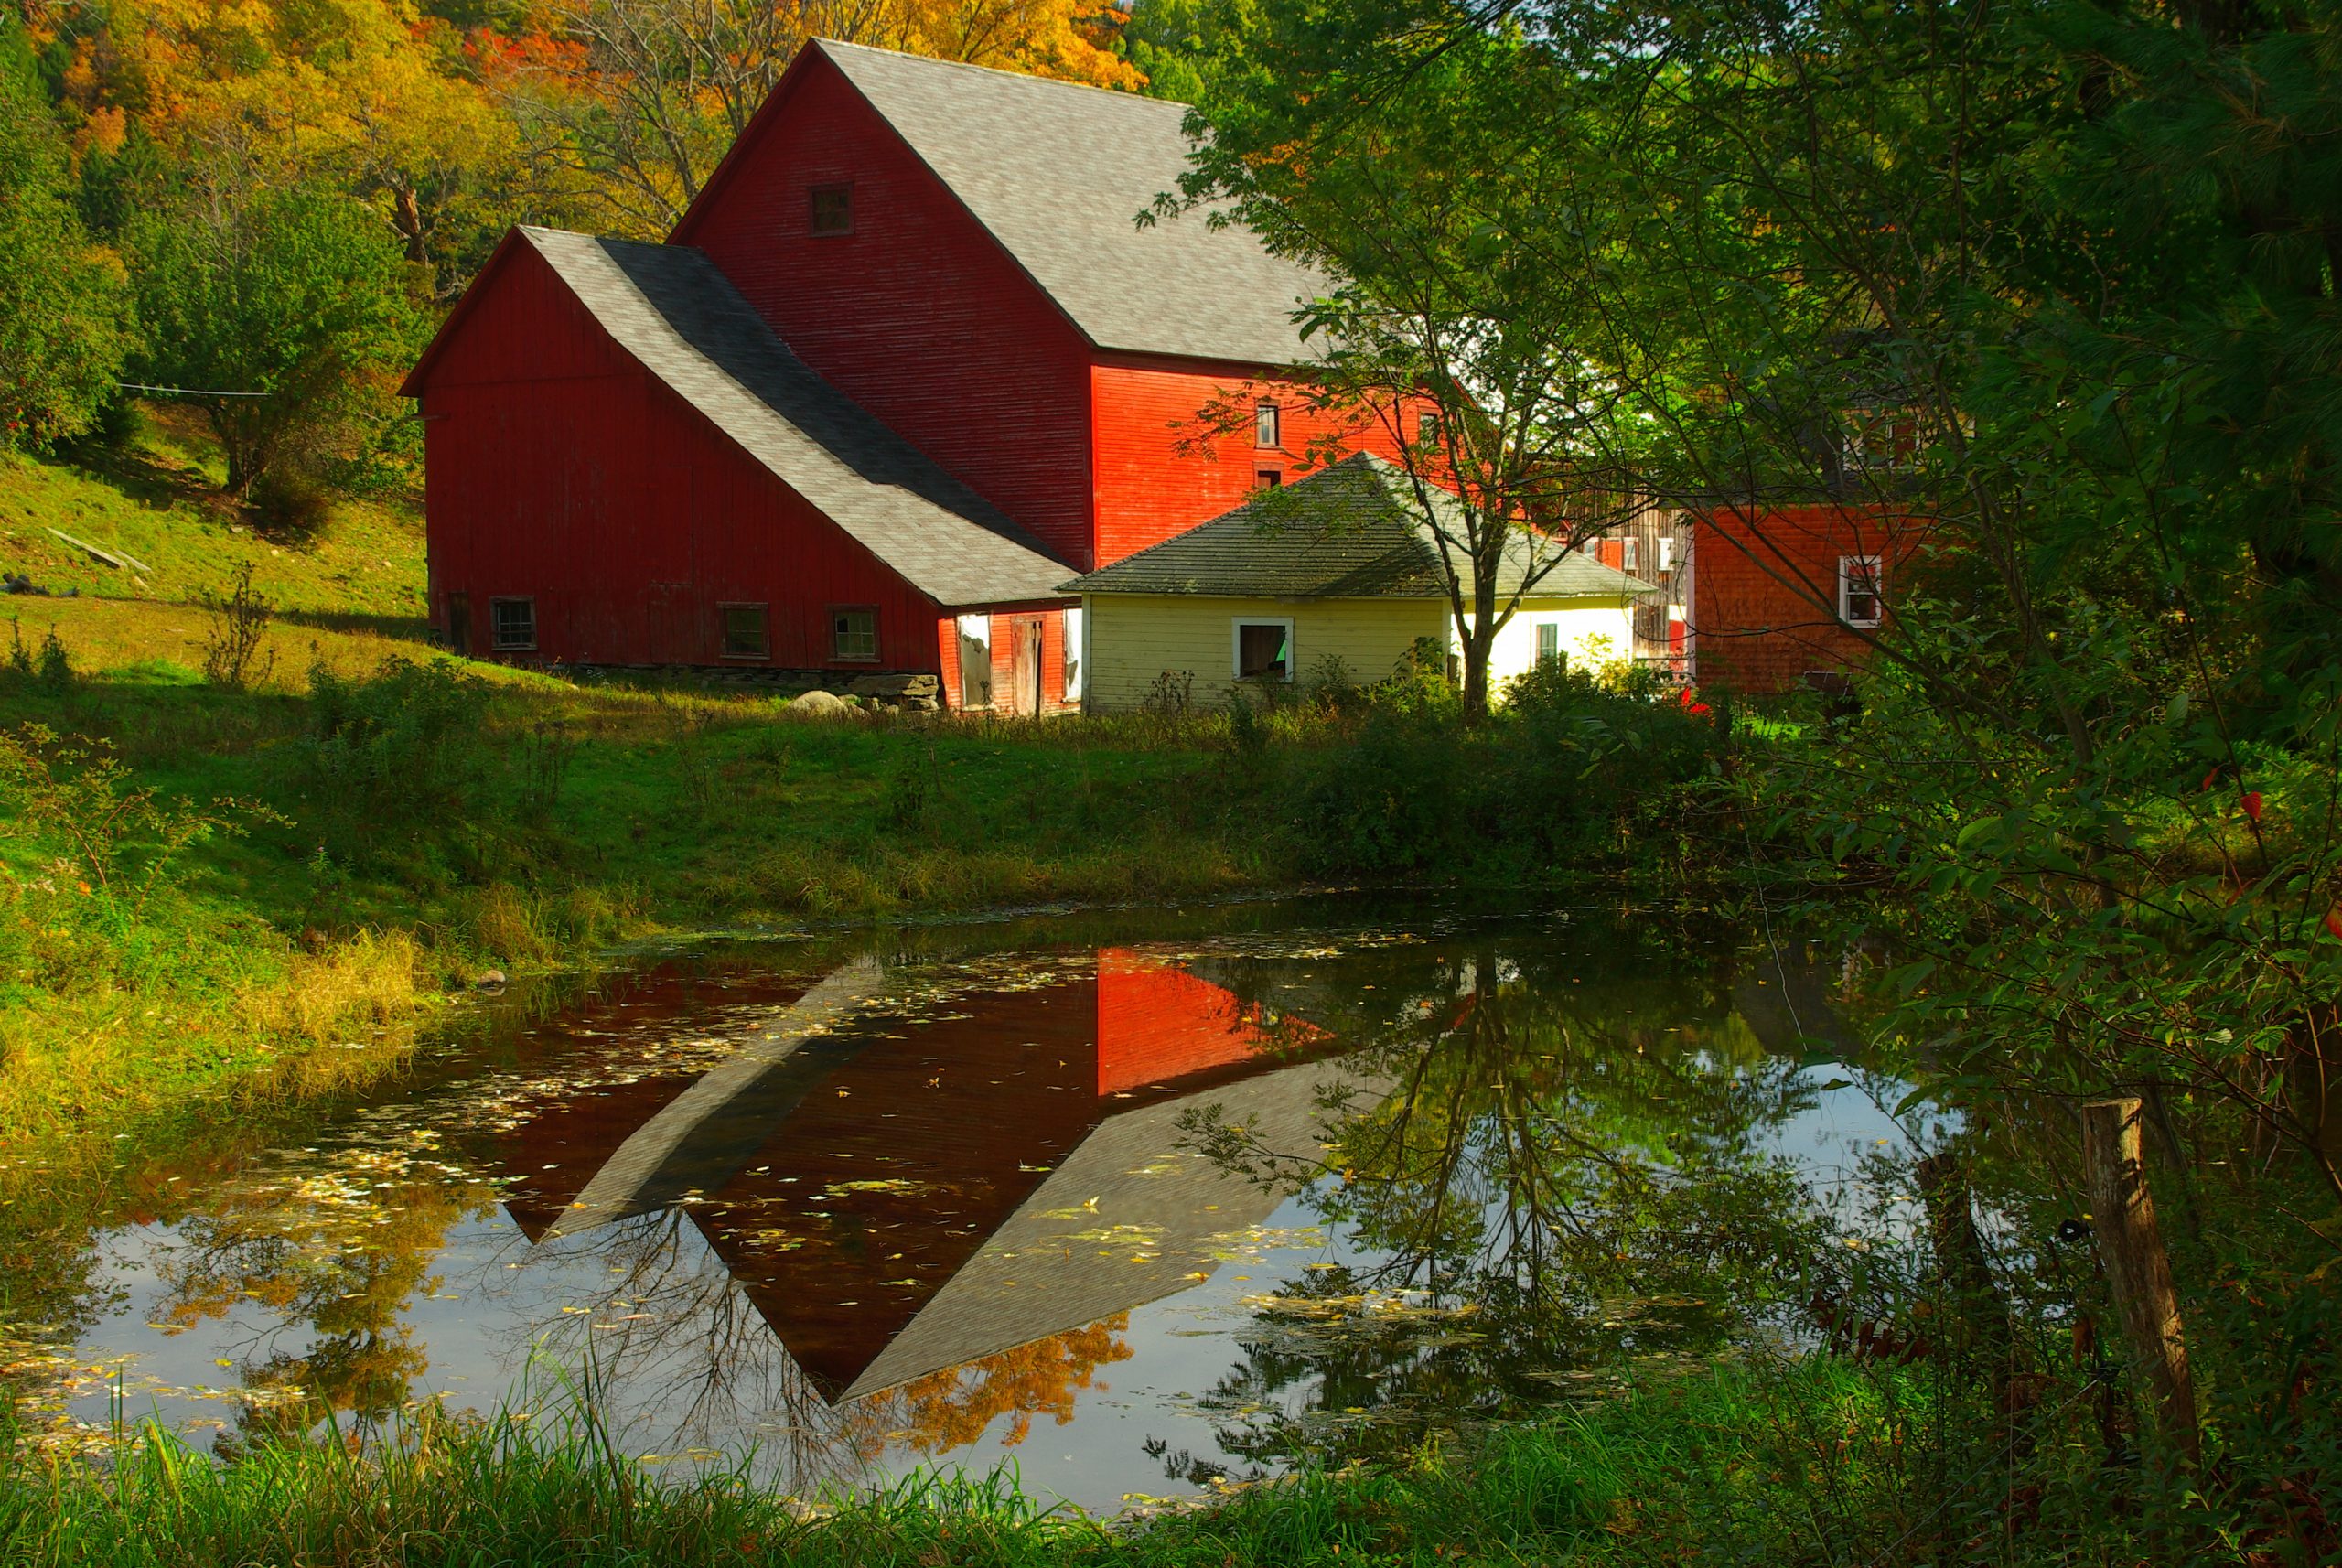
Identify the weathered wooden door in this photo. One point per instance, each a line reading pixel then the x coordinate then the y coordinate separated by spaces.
pixel 460 623
pixel 1028 665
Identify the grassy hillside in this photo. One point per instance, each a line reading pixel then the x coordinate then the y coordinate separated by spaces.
pixel 157 499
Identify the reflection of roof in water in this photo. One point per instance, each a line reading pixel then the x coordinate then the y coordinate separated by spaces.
pixel 900 1199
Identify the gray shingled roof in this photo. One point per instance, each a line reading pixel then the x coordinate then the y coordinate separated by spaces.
pixel 669 307
pixel 1347 531
pixel 1059 173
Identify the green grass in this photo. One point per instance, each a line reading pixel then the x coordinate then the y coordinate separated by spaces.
pixel 1682 1472
pixel 155 500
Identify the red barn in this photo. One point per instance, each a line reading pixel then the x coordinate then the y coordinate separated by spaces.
pixel 908 364
pixel 1788 596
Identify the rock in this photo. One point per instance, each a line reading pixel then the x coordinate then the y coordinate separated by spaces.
pixel 491 981
pixel 894 686
pixel 817 704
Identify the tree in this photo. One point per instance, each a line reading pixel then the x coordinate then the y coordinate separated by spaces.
pixel 289 309
pixel 1437 205
pixel 64 323
pixel 642 99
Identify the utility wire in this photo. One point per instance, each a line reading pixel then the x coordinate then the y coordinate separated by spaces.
pixel 187 392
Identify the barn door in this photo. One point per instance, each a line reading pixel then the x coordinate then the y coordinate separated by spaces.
pixel 460 623
pixel 1028 665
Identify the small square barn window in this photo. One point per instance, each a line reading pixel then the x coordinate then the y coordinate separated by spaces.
pixel 743 631
pixel 853 632
pixel 1861 590
pixel 833 210
pixel 1549 643
pixel 1269 478
pixel 512 624
pixel 1266 430
pixel 1264 651
pixel 1426 429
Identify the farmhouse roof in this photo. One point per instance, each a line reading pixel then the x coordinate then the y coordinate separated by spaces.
pixel 1349 531
pixel 679 317
pixel 1060 172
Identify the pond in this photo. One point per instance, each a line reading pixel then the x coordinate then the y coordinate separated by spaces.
pixel 1137 1202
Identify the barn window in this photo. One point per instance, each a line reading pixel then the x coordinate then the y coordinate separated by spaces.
pixel 833 210
pixel 1630 558
pixel 1862 589
pixel 1549 643
pixel 512 624
pixel 743 631
pixel 853 632
pixel 1269 478
pixel 1426 429
pixel 1263 649
pixel 1266 430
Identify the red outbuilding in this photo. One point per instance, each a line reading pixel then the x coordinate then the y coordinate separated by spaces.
pixel 1782 597
pixel 909 363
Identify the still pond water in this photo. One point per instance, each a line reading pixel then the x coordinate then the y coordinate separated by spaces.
pixel 1134 1202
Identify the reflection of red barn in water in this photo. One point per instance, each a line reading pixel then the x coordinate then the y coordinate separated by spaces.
pixel 899 1199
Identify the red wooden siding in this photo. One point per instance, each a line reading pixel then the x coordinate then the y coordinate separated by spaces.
pixel 557 468
pixel 1004 655
pixel 918 314
pixel 1157 1022
pixel 1765 587
pixel 1148 488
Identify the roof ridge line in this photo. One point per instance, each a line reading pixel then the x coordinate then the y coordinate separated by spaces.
pixel 825 41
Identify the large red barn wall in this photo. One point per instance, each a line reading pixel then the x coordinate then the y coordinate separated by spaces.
pixel 918 315
pixel 1152 479
pixel 1758 632
pixel 556 467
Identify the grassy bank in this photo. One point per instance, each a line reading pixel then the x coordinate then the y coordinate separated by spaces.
pixel 1693 1471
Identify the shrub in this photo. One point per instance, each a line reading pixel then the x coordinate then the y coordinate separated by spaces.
pixel 400 750
pixel 284 500
pixel 232 656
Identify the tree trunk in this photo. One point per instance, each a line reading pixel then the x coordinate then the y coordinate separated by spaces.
pixel 2137 1268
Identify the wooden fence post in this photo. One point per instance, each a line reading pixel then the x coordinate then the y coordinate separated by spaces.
pixel 2123 1217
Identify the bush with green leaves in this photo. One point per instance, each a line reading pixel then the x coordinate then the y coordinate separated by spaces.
pixel 397 757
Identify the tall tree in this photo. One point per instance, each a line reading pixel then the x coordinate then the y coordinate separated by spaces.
pixel 63 316
pixel 290 310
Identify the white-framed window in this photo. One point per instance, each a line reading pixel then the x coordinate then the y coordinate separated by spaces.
pixel 1666 553
pixel 1862 590
pixel 1260 649
pixel 744 635
pixel 1426 428
pixel 512 624
pixel 853 632
pixel 1268 432
pixel 1077 649
pixel 1630 554
pixel 1549 643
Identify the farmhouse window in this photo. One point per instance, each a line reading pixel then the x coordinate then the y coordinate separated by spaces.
pixel 1269 478
pixel 512 624
pixel 833 210
pixel 1630 557
pixel 743 631
pixel 1862 589
pixel 1265 650
pixel 1549 643
pixel 1266 432
pixel 1667 554
pixel 853 632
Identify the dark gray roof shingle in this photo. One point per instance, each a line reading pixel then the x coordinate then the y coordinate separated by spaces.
pixel 681 318
pixel 1059 173
pixel 1349 531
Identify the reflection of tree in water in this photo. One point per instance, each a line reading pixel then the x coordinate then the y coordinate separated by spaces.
pixel 1558 1168
pixel 952 1409
pixel 677 1338
pixel 338 1251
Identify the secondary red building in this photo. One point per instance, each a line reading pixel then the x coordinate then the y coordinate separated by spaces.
pixel 909 363
pixel 1783 596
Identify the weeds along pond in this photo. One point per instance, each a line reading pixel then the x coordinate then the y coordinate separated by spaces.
pixel 1137 1202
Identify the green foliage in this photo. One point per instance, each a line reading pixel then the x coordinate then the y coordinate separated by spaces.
pixel 396 760
pixel 1186 47
pixel 295 298
pixel 64 322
